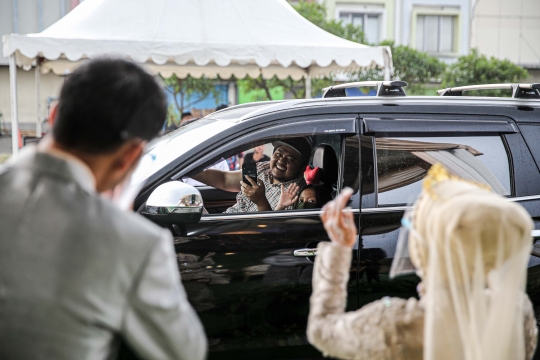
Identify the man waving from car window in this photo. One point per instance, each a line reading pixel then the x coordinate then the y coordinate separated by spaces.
pixel 274 177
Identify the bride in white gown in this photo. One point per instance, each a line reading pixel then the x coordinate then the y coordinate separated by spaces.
pixel 469 246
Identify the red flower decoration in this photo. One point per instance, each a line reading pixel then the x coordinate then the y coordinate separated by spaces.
pixel 312 176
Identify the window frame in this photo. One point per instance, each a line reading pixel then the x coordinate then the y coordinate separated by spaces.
pixel 293 127
pixel 457 41
pixel 293 212
pixel 299 126
pixel 379 11
pixel 424 46
pixel 201 155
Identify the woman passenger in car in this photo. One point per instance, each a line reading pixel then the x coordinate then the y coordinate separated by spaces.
pixel 313 196
pixel 469 246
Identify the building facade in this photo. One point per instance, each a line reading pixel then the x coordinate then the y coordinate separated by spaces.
pixel 448 29
pixel 439 27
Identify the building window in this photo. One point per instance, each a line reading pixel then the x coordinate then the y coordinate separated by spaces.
pixel 435 33
pixel 370 24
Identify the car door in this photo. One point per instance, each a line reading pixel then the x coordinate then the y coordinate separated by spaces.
pixel 248 275
pixel 401 151
pixel 527 184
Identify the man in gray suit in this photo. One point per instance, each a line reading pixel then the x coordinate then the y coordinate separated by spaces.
pixel 78 276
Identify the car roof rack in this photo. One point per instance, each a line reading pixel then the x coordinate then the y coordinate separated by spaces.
pixel 384 88
pixel 519 91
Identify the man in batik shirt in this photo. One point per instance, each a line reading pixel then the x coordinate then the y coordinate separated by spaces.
pixel 286 167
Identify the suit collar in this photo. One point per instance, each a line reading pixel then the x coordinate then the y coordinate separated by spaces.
pixel 58 164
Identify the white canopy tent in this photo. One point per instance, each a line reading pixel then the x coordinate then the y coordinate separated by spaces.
pixel 199 38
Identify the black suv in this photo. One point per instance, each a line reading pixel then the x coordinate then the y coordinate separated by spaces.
pixel 249 274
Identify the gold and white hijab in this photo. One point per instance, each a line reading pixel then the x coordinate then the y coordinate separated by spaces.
pixel 471 248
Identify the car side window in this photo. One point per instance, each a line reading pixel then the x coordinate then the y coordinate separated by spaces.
pixel 325 155
pixel 402 163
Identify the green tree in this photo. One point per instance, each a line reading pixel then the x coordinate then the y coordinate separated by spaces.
pixel 296 88
pixel 476 69
pixel 315 13
pixel 182 89
pixel 415 67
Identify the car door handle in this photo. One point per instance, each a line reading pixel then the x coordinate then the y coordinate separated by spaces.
pixel 305 252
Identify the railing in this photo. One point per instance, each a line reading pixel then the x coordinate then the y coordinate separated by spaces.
pixel 519 91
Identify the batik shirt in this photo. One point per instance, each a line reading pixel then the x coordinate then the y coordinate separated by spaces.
pixel 272 191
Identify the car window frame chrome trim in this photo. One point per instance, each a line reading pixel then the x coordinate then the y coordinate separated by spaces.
pixel 268 214
pixel 239 216
pixel 404 208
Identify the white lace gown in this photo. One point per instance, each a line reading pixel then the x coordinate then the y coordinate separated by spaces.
pixel 390 328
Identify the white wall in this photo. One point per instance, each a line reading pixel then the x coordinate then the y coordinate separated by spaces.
pixel 508 30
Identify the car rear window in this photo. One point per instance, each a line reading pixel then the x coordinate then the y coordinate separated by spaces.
pixel 402 163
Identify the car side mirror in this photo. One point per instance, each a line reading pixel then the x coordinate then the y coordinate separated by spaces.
pixel 174 203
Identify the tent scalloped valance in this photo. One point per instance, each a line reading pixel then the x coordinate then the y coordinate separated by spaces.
pixel 218 60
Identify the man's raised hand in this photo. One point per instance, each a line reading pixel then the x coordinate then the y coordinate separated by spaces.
pixel 288 197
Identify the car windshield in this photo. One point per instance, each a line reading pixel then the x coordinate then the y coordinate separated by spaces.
pixel 164 150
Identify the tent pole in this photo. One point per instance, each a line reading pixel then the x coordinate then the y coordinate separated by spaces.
pixel 387 66
pixel 14 105
pixel 38 104
pixel 308 84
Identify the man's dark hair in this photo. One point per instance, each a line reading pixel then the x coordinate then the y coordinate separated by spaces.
pixel 185 114
pixel 221 107
pixel 106 102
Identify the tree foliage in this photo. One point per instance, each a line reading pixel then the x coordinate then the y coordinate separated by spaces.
pixel 266 85
pixel 415 67
pixel 182 91
pixel 475 69
pixel 296 88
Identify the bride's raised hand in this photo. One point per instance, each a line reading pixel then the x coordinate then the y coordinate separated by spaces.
pixel 339 224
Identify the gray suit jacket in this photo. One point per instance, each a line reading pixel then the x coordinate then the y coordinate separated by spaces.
pixel 77 274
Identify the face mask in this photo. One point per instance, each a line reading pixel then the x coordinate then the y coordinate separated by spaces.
pixel 307 205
